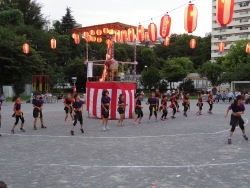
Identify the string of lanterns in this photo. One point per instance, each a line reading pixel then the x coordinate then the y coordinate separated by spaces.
pixel 224 13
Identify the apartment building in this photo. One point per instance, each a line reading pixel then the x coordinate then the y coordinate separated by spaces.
pixel 238 29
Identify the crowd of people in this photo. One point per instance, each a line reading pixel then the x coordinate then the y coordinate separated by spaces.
pixel 157 102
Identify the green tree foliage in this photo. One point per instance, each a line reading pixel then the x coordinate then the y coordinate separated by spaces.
pixel 11 17
pixel 68 22
pixel 212 71
pixel 150 78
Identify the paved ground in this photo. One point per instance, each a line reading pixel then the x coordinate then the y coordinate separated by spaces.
pixel 186 152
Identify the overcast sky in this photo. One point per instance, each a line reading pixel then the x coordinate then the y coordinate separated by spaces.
pixel 92 12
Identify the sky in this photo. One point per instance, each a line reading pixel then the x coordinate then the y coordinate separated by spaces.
pixel 93 12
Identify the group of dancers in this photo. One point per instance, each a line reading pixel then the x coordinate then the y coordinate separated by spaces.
pixel 74 107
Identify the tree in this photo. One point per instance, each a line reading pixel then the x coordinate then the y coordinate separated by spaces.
pixel 188 86
pixel 31 11
pixel 145 57
pixel 12 17
pixel 68 22
pixel 212 71
pixel 150 78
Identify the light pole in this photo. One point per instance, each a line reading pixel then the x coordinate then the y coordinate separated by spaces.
pixel 74 82
pixel 146 67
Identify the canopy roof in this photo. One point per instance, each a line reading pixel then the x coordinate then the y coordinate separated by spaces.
pixel 115 26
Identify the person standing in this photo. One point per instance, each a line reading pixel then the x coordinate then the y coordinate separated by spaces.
pixel 173 105
pixel 186 103
pixel 138 109
pixel 238 109
pixel 177 101
pixel 121 109
pixel 214 92
pixel 18 114
pixel 105 103
pixel 68 108
pixel 164 108
pixel 210 101
pixel 157 96
pixel 0 116
pixel 37 111
pixel 224 97
pixel 153 106
pixel 218 96
pixel 77 110
pixel 199 104
pixel 230 96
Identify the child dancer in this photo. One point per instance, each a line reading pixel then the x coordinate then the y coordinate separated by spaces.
pixel 18 114
pixel 105 102
pixel 199 104
pixel 121 110
pixel 237 108
pixel 37 112
pixel 210 102
pixel 153 106
pixel 164 108
pixel 68 107
pixel 177 101
pixel 138 109
pixel 224 97
pixel 78 110
pixel 173 105
pixel 185 103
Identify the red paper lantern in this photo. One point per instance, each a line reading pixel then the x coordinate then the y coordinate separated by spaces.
pixel 111 31
pixel 88 38
pixel 152 32
pixel 221 47
pixel 85 34
pixel 92 32
pixel 98 32
pixel 165 26
pixel 224 11
pixel 192 43
pixel 117 35
pixel 146 36
pixel 53 43
pixel 99 39
pixel 73 35
pixel 77 39
pixel 248 48
pixel 140 33
pixel 124 36
pixel 190 18
pixel 166 41
pixel 93 38
pixel 109 43
pixel 131 34
pixel 26 48
pixel 105 30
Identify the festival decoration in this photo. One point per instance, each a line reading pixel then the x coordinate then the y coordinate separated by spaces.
pixel 92 32
pixel 77 39
pixel 190 18
pixel 224 12
pixel 152 32
pixel 193 43
pixel 131 35
pixel 166 41
pixel 165 26
pixel 26 48
pixel 140 33
pixel 248 48
pixel 53 43
pixel 124 36
pixel 117 35
pixel 98 32
pixel 105 30
pixel 221 47
pixel 99 39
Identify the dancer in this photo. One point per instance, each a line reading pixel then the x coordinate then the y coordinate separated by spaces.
pixel 105 102
pixel 121 109
pixel 164 108
pixel 0 116
pixel 210 101
pixel 78 110
pixel 218 96
pixel 177 101
pixel 173 105
pixel 224 97
pixel 138 109
pixel 237 108
pixel 68 107
pixel 199 104
pixel 37 111
pixel 186 103
pixel 153 106
pixel 157 96
pixel 18 114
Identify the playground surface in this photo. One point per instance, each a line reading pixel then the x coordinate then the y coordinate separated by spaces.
pixel 185 152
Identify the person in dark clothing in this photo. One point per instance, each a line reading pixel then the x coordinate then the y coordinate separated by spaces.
pixel 138 110
pixel 210 102
pixel 121 109
pixel 18 114
pixel 214 92
pixel 199 104
pixel 186 103
pixel 77 112
pixel 238 109
pixel 173 105
pixel 37 112
pixel 68 107
pixel 163 108
pixel 105 103
pixel 153 106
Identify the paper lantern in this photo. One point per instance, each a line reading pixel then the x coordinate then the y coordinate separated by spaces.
pixel 98 32
pixel 99 39
pixel 146 36
pixel 73 35
pixel 117 35
pixel 190 18
pixel 105 30
pixel 221 47
pixel 166 41
pixel 77 39
pixel 26 48
pixel 131 34
pixel 123 36
pixel 152 32
pixel 92 32
pixel 111 31
pixel 109 43
pixel 192 43
pixel 85 34
pixel 224 11
pixel 53 43
pixel 93 38
pixel 248 48
pixel 88 38
pixel 165 26
pixel 140 33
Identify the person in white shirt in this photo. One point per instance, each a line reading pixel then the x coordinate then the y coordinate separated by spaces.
pixel 237 93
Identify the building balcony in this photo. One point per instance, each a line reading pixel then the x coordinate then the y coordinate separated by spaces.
pixel 231 31
pixel 238 7
pixel 241 14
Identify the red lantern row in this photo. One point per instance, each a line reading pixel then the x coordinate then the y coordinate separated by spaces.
pixel 221 47
pixel 224 11
pixel 248 48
